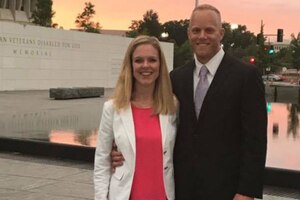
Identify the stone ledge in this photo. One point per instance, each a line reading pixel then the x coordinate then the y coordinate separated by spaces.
pixel 47 149
pixel 282 94
pixel 272 176
pixel 76 92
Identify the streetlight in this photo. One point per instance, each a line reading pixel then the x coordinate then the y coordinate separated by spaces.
pixel 164 35
pixel 196 3
pixel 234 26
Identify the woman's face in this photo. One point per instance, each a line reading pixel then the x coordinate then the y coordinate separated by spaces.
pixel 146 63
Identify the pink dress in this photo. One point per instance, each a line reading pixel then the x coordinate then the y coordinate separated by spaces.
pixel 148 181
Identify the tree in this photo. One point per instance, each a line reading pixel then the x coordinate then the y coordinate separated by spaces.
pixel 150 25
pixel 84 22
pixel 237 38
pixel 238 42
pixel 177 31
pixel 135 24
pixel 182 54
pixel 287 57
pixel 295 49
pixel 43 13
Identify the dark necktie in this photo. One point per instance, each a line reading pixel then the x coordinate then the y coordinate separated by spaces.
pixel 201 89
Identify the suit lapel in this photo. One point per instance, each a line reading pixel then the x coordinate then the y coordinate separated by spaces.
pixel 163 120
pixel 189 83
pixel 127 119
pixel 221 75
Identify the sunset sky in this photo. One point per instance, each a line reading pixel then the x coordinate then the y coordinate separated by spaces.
pixel 117 15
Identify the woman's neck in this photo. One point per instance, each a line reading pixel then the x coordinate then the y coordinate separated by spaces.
pixel 143 97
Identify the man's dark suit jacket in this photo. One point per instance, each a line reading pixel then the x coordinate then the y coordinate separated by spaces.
pixel 223 152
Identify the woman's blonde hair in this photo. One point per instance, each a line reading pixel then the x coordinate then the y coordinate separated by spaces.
pixel 163 100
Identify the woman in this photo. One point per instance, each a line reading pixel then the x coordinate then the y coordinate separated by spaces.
pixel 140 119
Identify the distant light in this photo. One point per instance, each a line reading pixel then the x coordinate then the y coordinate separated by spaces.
pixel 252 60
pixel 269 107
pixel 234 26
pixel 164 35
pixel 271 51
pixel 284 69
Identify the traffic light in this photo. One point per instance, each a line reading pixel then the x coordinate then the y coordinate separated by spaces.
pixel 252 60
pixel 269 107
pixel 279 35
pixel 271 50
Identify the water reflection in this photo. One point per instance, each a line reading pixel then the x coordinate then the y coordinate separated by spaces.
pixel 75 122
pixel 283 136
pixel 77 126
pixel 82 137
pixel 293 120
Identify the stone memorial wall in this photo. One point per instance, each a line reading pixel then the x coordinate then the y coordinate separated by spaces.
pixel 37 58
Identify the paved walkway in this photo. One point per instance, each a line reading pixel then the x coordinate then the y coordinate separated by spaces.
pixel 23 177
pixel 31 178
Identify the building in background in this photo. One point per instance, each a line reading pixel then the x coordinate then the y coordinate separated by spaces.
pixel 20 11
pixel 114 32
pixel 16 10
pixel 277 46
pixel 280 45
pixel 106 31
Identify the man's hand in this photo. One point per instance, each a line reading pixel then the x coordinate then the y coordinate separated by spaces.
pixel 116 158
pixel 242 197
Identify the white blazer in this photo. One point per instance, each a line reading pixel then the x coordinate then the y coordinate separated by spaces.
pixel 119 127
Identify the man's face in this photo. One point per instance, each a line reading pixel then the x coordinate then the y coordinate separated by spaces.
pixel 205 34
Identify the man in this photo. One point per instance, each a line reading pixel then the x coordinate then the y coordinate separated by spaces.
pixel 219 153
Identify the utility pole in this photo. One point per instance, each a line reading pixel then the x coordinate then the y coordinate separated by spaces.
pixel 262 26
pixel 262 57
pixel 196 3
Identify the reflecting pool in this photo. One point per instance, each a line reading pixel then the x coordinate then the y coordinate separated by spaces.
pixel 32 115
pixel 283 136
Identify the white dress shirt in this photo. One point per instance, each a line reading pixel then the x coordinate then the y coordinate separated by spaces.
pixel 212 66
